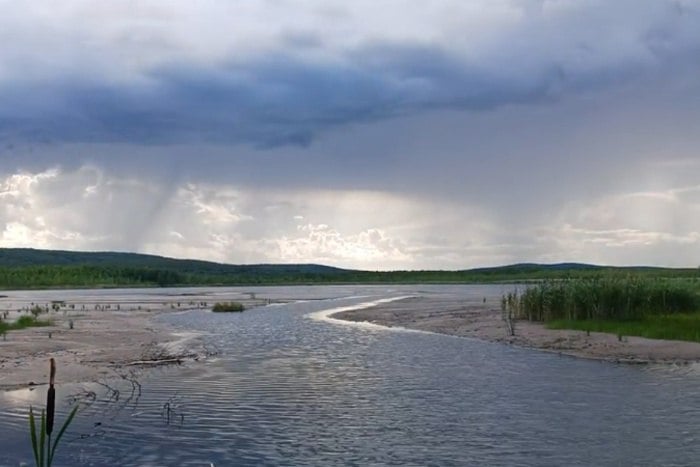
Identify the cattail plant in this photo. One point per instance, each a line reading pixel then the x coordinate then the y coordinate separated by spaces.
pixel 44 450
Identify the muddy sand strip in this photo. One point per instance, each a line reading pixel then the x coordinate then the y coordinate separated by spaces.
pixel 106 340
pixel 482 320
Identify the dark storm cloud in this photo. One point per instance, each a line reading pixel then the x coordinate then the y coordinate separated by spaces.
pixel 269 103
pixel 282 98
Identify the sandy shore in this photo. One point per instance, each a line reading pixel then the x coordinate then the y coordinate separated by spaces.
pixel 108 337
pixel 482 320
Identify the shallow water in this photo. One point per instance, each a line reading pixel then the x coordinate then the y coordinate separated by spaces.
pixel 289 387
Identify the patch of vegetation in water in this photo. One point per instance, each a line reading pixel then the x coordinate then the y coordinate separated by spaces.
pixel 227 307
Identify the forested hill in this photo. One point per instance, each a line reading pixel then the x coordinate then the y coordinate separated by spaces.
pixel 30 268
pixel 26 267
pixel 13 257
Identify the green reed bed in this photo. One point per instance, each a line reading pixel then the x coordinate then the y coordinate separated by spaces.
pixel 656 308
pixel 605 298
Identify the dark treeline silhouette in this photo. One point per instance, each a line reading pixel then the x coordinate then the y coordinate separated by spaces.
pixel 29 268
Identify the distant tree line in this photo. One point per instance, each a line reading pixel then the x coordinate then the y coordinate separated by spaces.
pixel 116 275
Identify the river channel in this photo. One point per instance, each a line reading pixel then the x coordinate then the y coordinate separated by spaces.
pixel 287 386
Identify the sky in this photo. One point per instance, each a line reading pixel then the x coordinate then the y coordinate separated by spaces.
pixel 376 135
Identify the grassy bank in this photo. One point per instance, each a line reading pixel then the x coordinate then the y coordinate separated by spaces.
pixel 626 306
pixel 683 327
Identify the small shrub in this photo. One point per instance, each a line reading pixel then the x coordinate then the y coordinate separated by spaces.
pixel 227 307
pixel 36 310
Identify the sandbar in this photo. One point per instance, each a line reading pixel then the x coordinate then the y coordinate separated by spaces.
pixel 482 319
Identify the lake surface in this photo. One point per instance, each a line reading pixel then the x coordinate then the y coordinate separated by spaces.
pixel 287 387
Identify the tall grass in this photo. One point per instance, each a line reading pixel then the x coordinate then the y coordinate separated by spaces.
pixel 606 298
